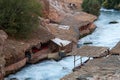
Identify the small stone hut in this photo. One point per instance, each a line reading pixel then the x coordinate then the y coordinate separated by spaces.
pixel 63 33
pixel 58 44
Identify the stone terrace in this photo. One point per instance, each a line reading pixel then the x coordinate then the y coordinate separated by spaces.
pixel 98 69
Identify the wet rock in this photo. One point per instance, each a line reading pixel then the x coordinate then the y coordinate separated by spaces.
pixel 84 77
pixel 14 79
pixel 81 78
pixel 113 22
pixel 28 79
pixel 85 43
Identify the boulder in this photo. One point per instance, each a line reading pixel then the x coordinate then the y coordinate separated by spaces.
pixel 14 51
pixel 13 79
pixel 81 78
pixel 85 43
pixel 113 22
pixel 28 79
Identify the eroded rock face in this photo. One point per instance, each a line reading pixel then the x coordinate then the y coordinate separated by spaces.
pixel 60 12
pixel 3 37
pixel 45 8
pixel 87 29
pixel 57 10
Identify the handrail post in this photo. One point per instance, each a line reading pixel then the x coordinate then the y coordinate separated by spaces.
pixel 74 61
pixel 81 60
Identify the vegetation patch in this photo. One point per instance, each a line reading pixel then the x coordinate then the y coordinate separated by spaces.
pixel 111 4
pixel 19 17
pixel 91 6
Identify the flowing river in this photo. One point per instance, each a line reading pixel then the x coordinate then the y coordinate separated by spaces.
pixel 105 35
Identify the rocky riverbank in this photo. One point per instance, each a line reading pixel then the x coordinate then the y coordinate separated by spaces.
pixel 62 19
pixel 104 68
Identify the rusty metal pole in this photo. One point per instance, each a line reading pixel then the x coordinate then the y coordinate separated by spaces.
pixel 81 60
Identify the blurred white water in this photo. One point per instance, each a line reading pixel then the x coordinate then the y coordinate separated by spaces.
pixel 103 9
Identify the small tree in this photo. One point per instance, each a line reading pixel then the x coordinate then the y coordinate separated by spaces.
pixel 91 6
pixel 19 17
pixel 108 4
pixel 112 4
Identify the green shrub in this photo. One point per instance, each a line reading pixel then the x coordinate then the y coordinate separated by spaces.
pixel 108 4
pixel 101 1
pixel 91 6
pixel 111 4
pixel 19 17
